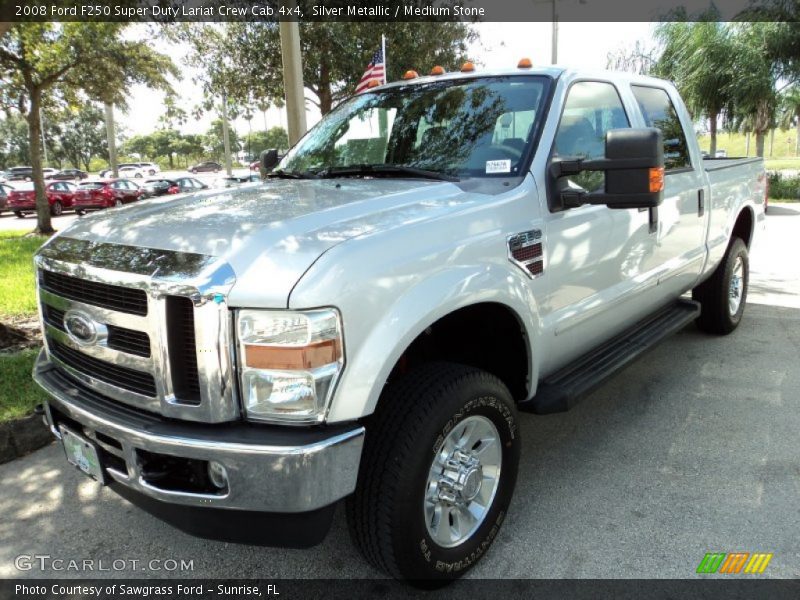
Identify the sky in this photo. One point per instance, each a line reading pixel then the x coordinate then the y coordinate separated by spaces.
pixel 581 45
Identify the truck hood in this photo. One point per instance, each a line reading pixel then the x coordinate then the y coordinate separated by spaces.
pixel 271 233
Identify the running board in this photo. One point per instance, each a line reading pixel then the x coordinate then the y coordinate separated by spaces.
pixel 562 390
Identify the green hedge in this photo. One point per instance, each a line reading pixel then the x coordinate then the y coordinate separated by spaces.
pixel 784 188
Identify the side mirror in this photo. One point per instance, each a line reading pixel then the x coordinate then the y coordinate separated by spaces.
pixel 269 158
pixel 634 172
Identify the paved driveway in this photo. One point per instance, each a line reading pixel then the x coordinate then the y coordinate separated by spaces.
pixel 692 449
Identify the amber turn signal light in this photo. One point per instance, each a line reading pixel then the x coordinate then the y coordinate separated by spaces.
pixel 656 179
pixel 293 358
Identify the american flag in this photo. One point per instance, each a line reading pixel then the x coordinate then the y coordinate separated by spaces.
pixel 375 72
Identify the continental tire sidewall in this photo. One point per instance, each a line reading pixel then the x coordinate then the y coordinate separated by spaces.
pixel 737 250
pixel 418 556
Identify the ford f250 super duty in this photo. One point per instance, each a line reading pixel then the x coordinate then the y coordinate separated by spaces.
pixel 436 255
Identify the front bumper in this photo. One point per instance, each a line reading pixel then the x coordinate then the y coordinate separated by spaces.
pixel 270 469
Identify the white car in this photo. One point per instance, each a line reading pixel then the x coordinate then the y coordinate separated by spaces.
pixel 131 171
pixel 48 172
pixel 150 168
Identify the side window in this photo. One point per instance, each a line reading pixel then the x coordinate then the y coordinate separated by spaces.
pixel 591 109
pixel 658 111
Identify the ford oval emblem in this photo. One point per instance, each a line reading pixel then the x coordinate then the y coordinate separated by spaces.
pixel 80 327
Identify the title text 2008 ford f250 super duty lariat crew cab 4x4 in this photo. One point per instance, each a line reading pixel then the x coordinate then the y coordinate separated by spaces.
pixel 436 255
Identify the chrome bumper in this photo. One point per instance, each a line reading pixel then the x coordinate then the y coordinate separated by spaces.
pixel 270 469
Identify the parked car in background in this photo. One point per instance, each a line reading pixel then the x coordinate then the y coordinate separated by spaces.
pixel 150 168
pixel 60 195
pixel 95 195
pixel 160 187
pixel 48 172
pixel 131 171
pixel 206 167
pixel 5 190
pixel 20 174
pixel 107 173
pixel 69 175
pixel 190 184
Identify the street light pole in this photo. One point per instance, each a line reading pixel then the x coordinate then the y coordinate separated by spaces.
pixel 293 80
pixel 554 36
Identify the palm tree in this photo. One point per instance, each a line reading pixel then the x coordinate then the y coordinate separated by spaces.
pixel 697 57
pixel 789 113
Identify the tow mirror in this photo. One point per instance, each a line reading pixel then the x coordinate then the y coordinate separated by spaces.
pixel 269 158
pixel 634 172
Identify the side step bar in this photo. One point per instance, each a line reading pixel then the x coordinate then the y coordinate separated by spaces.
pixel 562 390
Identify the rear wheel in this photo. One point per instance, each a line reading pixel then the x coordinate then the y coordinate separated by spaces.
pixel 151 172
pixel 724 294
pixel 20 214
pixel 437 473
pixel 117 202
pixel 56 209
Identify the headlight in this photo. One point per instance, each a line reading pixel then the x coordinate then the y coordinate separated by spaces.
pixel 290 363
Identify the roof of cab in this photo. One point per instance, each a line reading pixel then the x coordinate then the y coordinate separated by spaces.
pixel 554 72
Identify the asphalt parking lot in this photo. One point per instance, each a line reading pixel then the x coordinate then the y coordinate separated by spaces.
pixel 691 449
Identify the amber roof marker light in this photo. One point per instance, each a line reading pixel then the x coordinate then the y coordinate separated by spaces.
pixel 467 67
pixel 410 74
pixel 438 70
pixel 524 63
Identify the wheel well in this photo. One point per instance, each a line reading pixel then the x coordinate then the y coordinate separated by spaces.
pixel 487 336
pixel 743 228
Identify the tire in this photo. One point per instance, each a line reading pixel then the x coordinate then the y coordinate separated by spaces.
pixel 388 515
pixel 151 172
pixel 721 312
pixel 193 171
pixel 138 175
pixel 117 202
pixel 56 209
pixel 20 214
pixel 80 212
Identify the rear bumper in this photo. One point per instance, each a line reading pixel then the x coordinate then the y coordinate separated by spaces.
pixel 299 472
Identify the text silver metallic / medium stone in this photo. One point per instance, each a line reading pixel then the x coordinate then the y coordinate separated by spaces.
pixel 436 256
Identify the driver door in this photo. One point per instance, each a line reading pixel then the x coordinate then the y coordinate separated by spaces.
pixel 597 256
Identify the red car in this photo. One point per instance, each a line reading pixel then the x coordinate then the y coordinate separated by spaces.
pixel 105 193
pixel 60 195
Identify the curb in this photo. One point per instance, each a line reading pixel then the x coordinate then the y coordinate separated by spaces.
pixel 22 436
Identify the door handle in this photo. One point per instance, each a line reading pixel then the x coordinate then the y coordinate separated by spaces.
pixel 701 202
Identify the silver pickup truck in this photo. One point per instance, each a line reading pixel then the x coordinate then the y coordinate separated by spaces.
pixel 435 256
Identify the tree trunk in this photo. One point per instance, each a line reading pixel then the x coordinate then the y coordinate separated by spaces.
pixel 797 137
pixel 171 164
pixel 111 139
pixel 712 129
pixel 760 144
pixel 226 136
pixel 43 224
pixel 747 144
pixel 771 141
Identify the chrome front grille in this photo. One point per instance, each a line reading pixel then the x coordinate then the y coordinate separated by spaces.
pixel 165 332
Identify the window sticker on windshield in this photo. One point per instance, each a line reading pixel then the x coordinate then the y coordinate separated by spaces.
pixel 498 166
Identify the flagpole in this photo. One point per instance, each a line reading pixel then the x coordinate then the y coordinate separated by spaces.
pixel 385 63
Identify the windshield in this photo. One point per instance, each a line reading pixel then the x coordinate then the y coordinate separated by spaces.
pixel 460 128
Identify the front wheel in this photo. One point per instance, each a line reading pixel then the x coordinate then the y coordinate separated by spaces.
pixel 56 209
pixel 437 473
pixel 724 294
pixel 20 214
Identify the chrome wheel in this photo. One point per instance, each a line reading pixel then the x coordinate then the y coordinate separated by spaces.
pixel 462 481
pixel 735 289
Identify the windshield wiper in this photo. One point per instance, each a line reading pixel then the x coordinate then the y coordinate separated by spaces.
pixel 281 174
pixel 384 170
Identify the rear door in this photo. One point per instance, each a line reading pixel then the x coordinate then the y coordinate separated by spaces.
pixel 681 219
